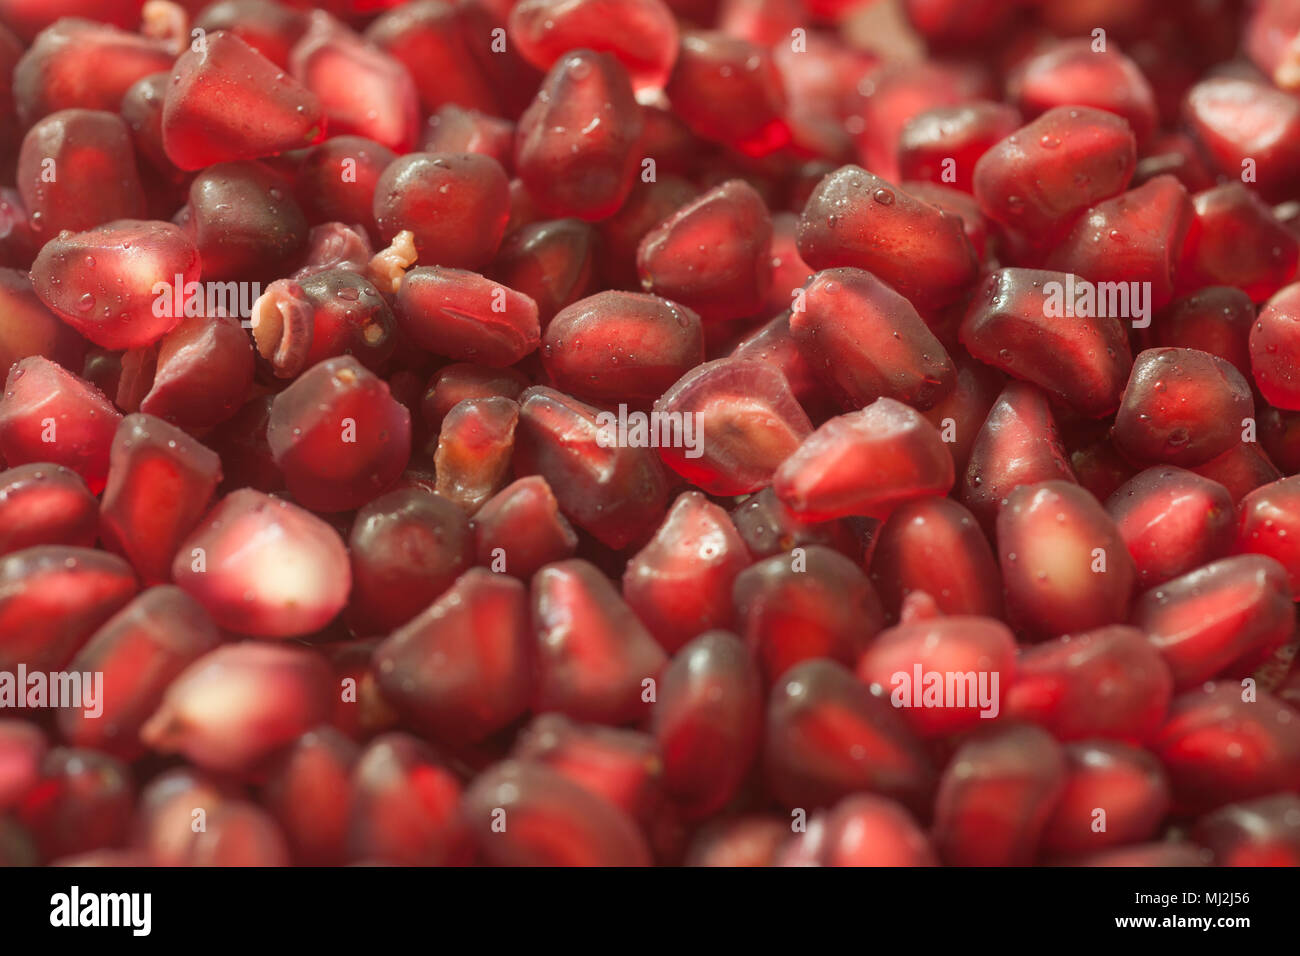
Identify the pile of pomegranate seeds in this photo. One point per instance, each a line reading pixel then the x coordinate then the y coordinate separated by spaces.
pixel 627 432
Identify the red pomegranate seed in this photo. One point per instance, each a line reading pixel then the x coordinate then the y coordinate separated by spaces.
pixel 713 255
pixel 618 494
pixel 227 101
pixel 27 327
pixel 1017 322
pixel 22 751
pixel 996 797
pixel 43 503
pixel 1235 119
pixel 942 145
pixel 814 604
pixel 81 803
pixel 729 91
pixel 521 813
pixel 1114 795
pixel 594 656
pixel 452 129
pixel 203 375
pixel 1224 618
pixel 642 34
pixel 576 145
pixel 1263 832
pixel 1270 41
pixel 1269 522
pixel 647 205
pixel 245 455
pixel 474 448
pixel 338 435
pixel 407 547
pixel 1279 433
pixel 621 346
pixel 679 584
pixel 1241 469
pixel 266 26
pixel 454 383
pixel 869 341
pixel 1172 522
pixel 466 316
pixel 768 527
pixel 309 793
pixel 855 218
pixel 76 170
pixel 1275 349
pixel 1177 155
pixel 520 528
pixel 861 830
pixel 827 736
pixel 960 415
pixel 738 423
pixel 738 841
pixel 160 481
pixel 104 282
pixel 238 704
pixel 297 324
pixel 553 263
pixel 1040 176
pixel 462 668
pixel 1216 319
pixel 1109 683
pixel 773 344
pixel 264 567
pixel 1074 73
pixel 139 651
pixel 1220 748
pixel 1100 468
pixel 336 181
pixel 1236 240
pixel 865 463
pixel 405 807
pixel 1146 855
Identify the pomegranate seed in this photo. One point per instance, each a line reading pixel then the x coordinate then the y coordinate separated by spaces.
pixel 452 129
pixel 1279 435
pixel 22 751
pixel 1235 119
pixel 576 145
pixel 405 807
pixel 1126 784
pixel 466 316
pixel 1073 73
pixel 264 567
pixel 861 830
pixel 647 205
pixel 81 803
pixel 617 494
pixel 238 704
pixel 1217 319
pixel 244 220
pixel 28 328
pixel 227 102
pixel 204 372
pixel 855 218
pixel 1274 347
pixel 594 656
pixel 474 448
pixel 1172 522
pixel 522 813
pixel 738 841
pixel 454 383
pixel 45 504
pixel 1111 682
pixel 553 263
pixel 768 528
pixel 1010 325
pixel 1263 832
pixel 245 454
pixel 642 34
pixel 139 651
pixel 1268 524
pixel 336 181
pixel 679 584
pixel 975 390
pixel 827 736
pixel 1219 748
pixel 942 145
pixel 865 463
pixel 407 547
pixel 309 794
pixel 1236 240
pixel 266 26
pixel 521 528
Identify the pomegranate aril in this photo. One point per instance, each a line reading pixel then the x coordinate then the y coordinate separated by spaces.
pixel 1263 832
pixel 240 703
pixel 1177 155
pixel 1225 744
pixel 642 34
pixel 309 793
pixel 1275 349
pixel 22 750
pixel 936 546
pixel 1279 433
pixel 1268 523
pixel 264 567
pixel 869 341
pixel 729 91
pixel 204 373
pixel 773 344
pixel 593 655
pixel 960 415
pixel 245 221
pixel 954 203
pixel 996 797
pixel 405 807
pixel 81 803
pixel 1040 176
pixel 1074 73
pixel 27 327
pixel 647 206
pixel 336 181
pixel 338 435
pixel 1215 319
pixel 621 346
pixel 1241 469
pixel 769 527
pixel 827 736
pixel 139 651
pixel 520 528
pixel 617 493
pixel 228 102
pixel 865 463
pixel 267 26
pixel 738 841
pixel 475 443
pixel 454 383
pixel 553 263
pixel 861 830
pixel 713 255
pixel 452 129
pixel 549 821
pixel 1125 783
pixel 1235 119
pixel 1016 322
pixel 76 170
pixel 855 218
pixel 576 145
pixel 942 145
pixel 43 503
pixel 245 454
pixel 104 282
pixel 466 317
pixel 49 415
pixel 1236 240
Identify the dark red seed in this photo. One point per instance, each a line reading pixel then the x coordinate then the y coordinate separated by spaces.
pixel 1263 832
pixel 942 145
pixel 861 830
pixel 466 316
pixel 474 448
pixel 769 527
pixel 43 503
pixel 1114 795
pixel 1216 319
pixel 1268 523
pixel 81 803
pixel 22 750
pixel 245 221
pixel 1074 73
pixel 1275 349
pixel 1236 240
pixel 520 528
pixel 309 792
pixel 203 375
